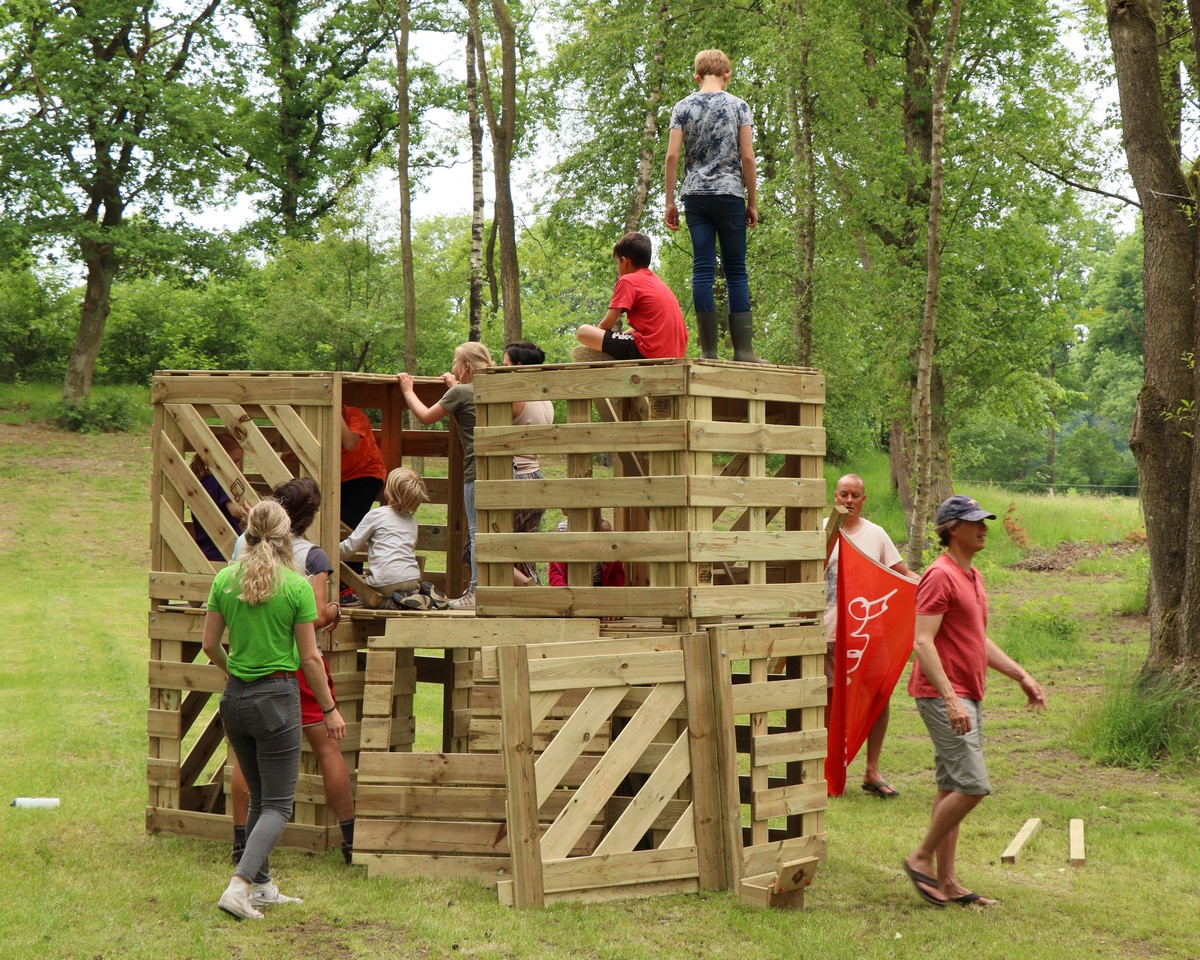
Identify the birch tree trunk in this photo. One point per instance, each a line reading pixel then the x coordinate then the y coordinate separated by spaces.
pixel 475 299
pixel 923 467
pixel 800 117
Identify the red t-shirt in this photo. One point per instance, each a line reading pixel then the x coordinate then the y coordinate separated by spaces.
pixel 364 460
pixel 948 589
pixel 654 314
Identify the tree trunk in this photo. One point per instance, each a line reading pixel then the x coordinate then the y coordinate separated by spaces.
pixel 804 229
pixel 923 467
pixel 502 127
pixel 650 128
pixel 400 33
pixel 1168 460
pixel 475 308
pixel 102 269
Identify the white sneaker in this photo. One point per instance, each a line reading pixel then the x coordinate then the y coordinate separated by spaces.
pixel 235 901
pixel 465 602
pixel 268 895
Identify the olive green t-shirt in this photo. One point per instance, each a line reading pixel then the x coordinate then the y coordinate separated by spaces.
pixel 261 635
pixel 459 400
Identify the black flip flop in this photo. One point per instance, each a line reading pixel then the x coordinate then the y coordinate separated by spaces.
pixel 969 898
pixel 919 878
pixel 876 787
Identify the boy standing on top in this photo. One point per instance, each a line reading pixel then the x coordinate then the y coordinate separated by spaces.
pixel 719 195
pixel 656 322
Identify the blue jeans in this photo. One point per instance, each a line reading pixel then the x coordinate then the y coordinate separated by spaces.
pixel 472 523
pixel 262 722
pixel 713 218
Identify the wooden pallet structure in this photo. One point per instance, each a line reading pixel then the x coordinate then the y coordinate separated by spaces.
pixel 585 759
pixel 287 425
pixel 679 747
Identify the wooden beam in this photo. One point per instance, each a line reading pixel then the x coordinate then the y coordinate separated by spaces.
pixel 1024 835
pixel 1077 856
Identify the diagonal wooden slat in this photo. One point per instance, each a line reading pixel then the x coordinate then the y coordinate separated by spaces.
pixel 298 436
pixel 200 435
pixel 624 752
pixel 265 457
pixel 540 705
pixel 683 834
pixel 575 734
pixel 175 535
pixel 656 792
pixel 203 507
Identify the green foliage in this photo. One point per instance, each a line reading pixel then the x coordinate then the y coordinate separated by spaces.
pixel 1145 721
pixel 104 413
pixel 1041 632
pixel 36 324
pixel 1088 457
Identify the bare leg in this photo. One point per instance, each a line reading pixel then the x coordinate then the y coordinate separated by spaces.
pixel 941 841
pixel 240 795
pixel 333 771
pixel 875 747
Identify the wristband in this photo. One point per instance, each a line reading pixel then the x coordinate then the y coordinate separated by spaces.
pixel 330 710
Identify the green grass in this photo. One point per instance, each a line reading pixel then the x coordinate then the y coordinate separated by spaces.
pixel 74 519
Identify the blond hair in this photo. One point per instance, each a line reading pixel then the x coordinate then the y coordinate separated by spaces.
pixel 405 490
pixel 712 63
pixel 474 356
pixel 268 551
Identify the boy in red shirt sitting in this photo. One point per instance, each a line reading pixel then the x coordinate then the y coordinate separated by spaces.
pixel 656 327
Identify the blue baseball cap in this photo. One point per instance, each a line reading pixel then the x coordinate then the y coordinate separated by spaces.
pixel 961 508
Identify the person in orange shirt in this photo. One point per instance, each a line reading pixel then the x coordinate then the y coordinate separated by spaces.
pixel 363 473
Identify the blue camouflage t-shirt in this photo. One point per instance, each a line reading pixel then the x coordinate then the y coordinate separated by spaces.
pixel 710 123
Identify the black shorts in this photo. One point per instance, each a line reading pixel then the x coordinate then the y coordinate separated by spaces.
pixel 621 346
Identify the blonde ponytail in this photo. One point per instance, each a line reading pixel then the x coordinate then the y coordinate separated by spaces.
pixel 268 551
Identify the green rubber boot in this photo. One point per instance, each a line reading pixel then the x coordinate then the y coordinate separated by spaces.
pixel 741 330
pixel 706 327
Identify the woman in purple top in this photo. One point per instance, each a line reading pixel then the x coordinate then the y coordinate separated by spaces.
pixel 232 510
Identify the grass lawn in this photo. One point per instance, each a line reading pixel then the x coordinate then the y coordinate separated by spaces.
pixel 87 882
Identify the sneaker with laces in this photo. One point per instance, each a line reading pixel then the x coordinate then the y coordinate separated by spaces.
pixel 465 602
pixel 348 598
pixel 235 901
pixel 268 895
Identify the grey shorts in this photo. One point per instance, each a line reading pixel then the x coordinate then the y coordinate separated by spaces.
pixel 958 759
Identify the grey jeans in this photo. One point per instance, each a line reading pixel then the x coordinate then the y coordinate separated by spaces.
pixel 262 722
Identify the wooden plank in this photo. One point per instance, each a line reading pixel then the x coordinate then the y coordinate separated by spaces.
pixel 164 723
pixel 707 800
pixel 298 436
pixel 1078 858
pixel 576 382
pixel 576 734
pixel 581 492
pixel 1024 835
pixel 605 671
pixel 528 888
pixel 757 599
pixel 789 747
pixel 180 586
pixel 772 642
pixel 790 800
pixel 256 444
pixel 180 541
pixel 666 546
pixel 683 834
pixel 186 676
pixel 611 770
pixel 753 438
pixel 431 768
pixel 641 813
pixel 441 836
pixel 769 857
pixel 294 388
pixel 486 870
pixel 755 491
pixel 739 545
pixel 762 383
pixel 381 666
pixel 583 602
pixel 561 438
pixel 450 633
pixel 623 892
pixel 778 695
pixel 617 869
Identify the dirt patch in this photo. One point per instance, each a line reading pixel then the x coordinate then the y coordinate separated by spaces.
pixel 1066 555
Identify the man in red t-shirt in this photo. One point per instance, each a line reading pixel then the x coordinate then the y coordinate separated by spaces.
pixel 953 655
pixel 656 322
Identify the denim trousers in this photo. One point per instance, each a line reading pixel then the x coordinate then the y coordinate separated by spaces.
pixel 711 219
pixel 262 722
pixel 472 523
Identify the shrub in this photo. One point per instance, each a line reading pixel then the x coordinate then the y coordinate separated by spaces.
pixel 111 413
pixel 1145 721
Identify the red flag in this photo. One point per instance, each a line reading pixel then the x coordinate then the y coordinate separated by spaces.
pixel 876 615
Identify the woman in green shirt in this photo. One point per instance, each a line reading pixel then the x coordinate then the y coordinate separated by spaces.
pixel 269 611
